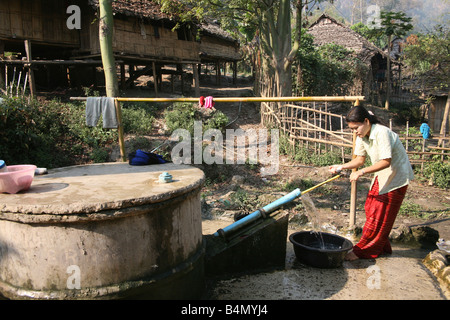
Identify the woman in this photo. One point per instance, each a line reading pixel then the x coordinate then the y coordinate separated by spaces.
pixel 393 172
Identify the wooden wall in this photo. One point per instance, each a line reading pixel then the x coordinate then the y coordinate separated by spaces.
pixel 142 39
pixel 42 21
pixel 213 47
pixel 436 114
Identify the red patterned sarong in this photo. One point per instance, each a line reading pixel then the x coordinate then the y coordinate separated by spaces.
pixel 381 211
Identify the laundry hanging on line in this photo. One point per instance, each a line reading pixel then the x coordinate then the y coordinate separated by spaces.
pixel 105 106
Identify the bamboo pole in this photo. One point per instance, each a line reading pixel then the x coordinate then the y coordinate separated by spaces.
pixel 30 70
pixel 428 153
pixel 353 192
pixel 105 32
pixel 339 144
pixel 242 99
pixel 341 118
pixel 326 131
pixel 120 129
pixel 249 99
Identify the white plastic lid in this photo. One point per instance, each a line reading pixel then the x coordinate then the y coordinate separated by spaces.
pixel 2 164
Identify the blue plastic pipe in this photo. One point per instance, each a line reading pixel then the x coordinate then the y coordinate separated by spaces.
pixel 268 209
pixel 259 213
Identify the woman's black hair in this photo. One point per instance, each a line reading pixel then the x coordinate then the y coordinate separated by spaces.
pixel 359 114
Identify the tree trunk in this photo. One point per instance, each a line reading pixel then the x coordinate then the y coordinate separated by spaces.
pixel 299 8
pixel 278 51
pixel 106 24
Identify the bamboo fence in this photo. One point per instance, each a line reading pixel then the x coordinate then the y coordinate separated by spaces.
pixel 311 126
pixel 421 150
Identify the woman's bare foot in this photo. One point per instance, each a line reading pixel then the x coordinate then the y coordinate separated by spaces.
pixel 351 256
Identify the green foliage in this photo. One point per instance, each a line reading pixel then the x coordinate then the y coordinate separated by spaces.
pixel 182 116
pixel 53 134
pixel 368 33
pixel 410 209
pixel 37 134
pixel 138 118
pixel 407 112
pixel 327 70
pixel 426 52
pixel 439 173
pixel 306 155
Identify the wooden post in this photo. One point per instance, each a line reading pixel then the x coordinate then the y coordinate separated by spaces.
pixel 131 70
pixel 353 192
pixel 423 155
pixel 218 74
pixel 2 50
pixel 155 78
pixel 342 131
pixel 122 75
pixel 407 135
pixel 30 70
pixel 443 147
pixel 181 78
pixel 120 129
pixel 196 80
pixel 445 119
pixel 6 78
pixel 234 72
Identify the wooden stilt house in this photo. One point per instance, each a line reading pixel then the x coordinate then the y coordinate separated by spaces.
pixel 219 48
pixel 58 41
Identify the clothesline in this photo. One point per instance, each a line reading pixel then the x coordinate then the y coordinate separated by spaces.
pixel 242 99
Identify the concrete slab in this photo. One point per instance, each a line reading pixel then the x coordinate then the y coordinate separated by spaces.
pixel 400 276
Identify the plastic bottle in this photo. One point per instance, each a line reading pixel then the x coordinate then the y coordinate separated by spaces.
pixel 3 167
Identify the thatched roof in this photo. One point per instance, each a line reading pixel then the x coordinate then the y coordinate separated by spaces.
pixel 137 8
pixel 212 28
pixel 327 30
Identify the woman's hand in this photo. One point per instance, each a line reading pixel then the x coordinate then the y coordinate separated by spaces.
pixel 336 168
pixel 354 176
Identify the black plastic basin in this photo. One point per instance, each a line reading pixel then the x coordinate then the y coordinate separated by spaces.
pixel 309 250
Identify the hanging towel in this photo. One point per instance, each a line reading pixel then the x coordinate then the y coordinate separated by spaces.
pixel 93 111
pixel 96 106
pixel 209 102
pixel 109 113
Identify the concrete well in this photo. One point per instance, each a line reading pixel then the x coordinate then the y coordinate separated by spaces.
pixel 104 231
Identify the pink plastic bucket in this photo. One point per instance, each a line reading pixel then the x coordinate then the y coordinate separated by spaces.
pixel 17 178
